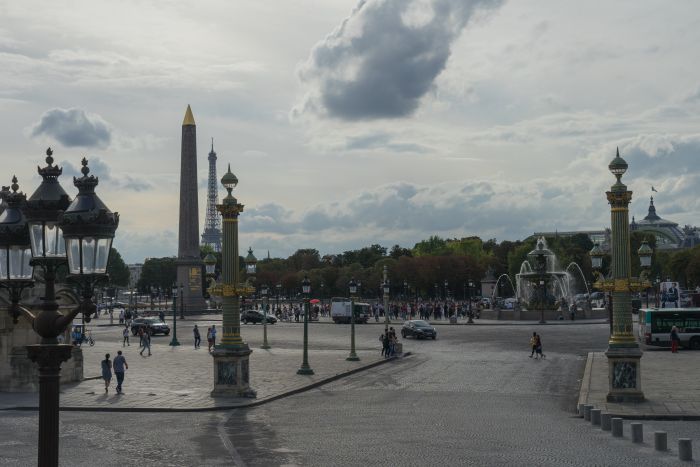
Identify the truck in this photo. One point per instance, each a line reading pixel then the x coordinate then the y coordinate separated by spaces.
pixel 340 311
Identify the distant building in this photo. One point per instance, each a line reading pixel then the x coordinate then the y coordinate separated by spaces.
pixel 134 273
pixel 668 235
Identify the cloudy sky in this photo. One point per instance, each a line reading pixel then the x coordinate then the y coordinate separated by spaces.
pixel 383 121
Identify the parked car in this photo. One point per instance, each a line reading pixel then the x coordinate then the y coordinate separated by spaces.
pixel 255 316
pixel 151 325
pixel 418 329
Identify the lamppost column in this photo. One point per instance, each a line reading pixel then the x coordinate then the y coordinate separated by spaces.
pixel 385 289
pixel 353 290
pixel 624 369
pixel 305 369
pixel 174 342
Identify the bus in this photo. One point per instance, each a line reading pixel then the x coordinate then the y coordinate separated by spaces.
pixel 655 326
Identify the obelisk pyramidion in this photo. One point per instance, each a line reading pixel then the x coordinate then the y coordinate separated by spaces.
pixel 189 263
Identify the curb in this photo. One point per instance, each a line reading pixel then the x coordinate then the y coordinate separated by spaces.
pixel 243 405
pixel 583 399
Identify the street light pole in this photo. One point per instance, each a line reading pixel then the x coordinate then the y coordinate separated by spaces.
pixel 305 369
pixel 471 318
pixel 386 289
pixel 264 291
pixel 174 342
pixel 231 355
pixel 182 302
pixel 352 286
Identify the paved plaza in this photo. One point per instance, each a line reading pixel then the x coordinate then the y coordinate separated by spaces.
pixel 472 397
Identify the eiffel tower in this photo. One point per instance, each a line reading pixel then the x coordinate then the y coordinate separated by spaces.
pixel 212 221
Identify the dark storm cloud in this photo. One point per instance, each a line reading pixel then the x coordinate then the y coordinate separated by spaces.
pixel 74 127
pixel 382 59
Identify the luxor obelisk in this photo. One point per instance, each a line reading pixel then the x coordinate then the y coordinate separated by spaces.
pixel 189 262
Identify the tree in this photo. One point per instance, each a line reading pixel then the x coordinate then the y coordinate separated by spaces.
pixel 118 271
pixel 397 252
pixel 157 272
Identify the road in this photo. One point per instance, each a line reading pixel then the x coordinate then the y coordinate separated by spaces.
pixel 472 397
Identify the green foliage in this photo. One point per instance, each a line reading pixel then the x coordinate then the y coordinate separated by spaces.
pixel 157 272
pixel 433 246
pixel 116 268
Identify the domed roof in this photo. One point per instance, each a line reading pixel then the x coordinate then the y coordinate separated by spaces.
pixel 653 219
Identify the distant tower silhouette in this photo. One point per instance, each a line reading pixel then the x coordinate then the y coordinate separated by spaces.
pixel 212 221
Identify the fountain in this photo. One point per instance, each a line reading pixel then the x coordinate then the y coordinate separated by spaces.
pixel 542 285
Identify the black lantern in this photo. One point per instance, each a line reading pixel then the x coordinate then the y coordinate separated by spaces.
pixel 306 286
pixel 43 210
pixel 596 255
pixel 210 264
pixel 352 286
pixel 16 273
pixel 251 262
pixel 88 229
pixel 264 290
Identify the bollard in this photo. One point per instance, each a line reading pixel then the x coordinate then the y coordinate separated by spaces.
pixel 685 449
pixel 616 427
pixel 660 441
pixel 637 432
pixel 580 410
pixel 605 421
pixel 587 412
pixel 595 417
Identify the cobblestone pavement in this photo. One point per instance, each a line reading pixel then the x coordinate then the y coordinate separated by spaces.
pixel 472 397
pixel 182 377
pixel 463 400
pixel 669 381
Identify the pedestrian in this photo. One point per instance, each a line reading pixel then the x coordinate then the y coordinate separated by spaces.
pixel 121 317
pixel 209 340
pixel 140 337
pixel 125 336
pixel 107 372
pixel 384 339
pixel 120 366
pixel 197 337
pixel 146 340
pixel 161 316
pixel 538 347
pixel 533 343
pixel 213 335
pixel 675 339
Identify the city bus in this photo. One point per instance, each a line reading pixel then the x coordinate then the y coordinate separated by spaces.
pixel 340 311
pixel 655 326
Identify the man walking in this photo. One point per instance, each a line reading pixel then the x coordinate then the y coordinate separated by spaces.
pixel 197 337
pixel 533 344
pixel 119 365
pixel 125 336
pixel 146 340
pixel 213 335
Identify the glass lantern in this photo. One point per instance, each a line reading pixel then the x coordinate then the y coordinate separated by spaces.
pixel 352 286
pixel 306 286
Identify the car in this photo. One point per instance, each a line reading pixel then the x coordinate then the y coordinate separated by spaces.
pixel 151 325
pixel 418 329
pixel 255 316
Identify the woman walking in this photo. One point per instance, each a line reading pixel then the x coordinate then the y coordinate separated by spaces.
pixel 675 339
pixel 107 372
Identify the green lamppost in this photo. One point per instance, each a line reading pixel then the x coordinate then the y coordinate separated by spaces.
pixel 264 291
pixel 305 369
pixel 174 342
pixel 386 289
pixel 470 320
pixel 231 355
pixel 210 267
pixel 624 354
pixel 278 288
pixel 352 286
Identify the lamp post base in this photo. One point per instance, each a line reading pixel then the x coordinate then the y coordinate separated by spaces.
pixel 305 370
pixel 353 357
pixel 232 372
pixel 266 346
pixel 174 342
pixel 624 374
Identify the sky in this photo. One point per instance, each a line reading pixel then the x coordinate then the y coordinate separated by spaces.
pixel 352 123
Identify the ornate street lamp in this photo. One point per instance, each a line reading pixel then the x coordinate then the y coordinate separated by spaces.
pixel 89 226
pixel 231 355
pixel 352 287
pixel 16 273
pixel 264 290
pixel 645 253
pixel 386 288
pixel 624 354
pixel 278 288
pixel 446 286
pixel 305 369
pixel 175 291
pixel 251 263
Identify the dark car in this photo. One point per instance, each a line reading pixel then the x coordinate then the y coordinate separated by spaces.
pixel 255 316
pixel 151 325
pixel 419 329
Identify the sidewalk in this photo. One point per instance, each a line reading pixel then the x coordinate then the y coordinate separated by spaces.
pixel 181 378
pixel 669 381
